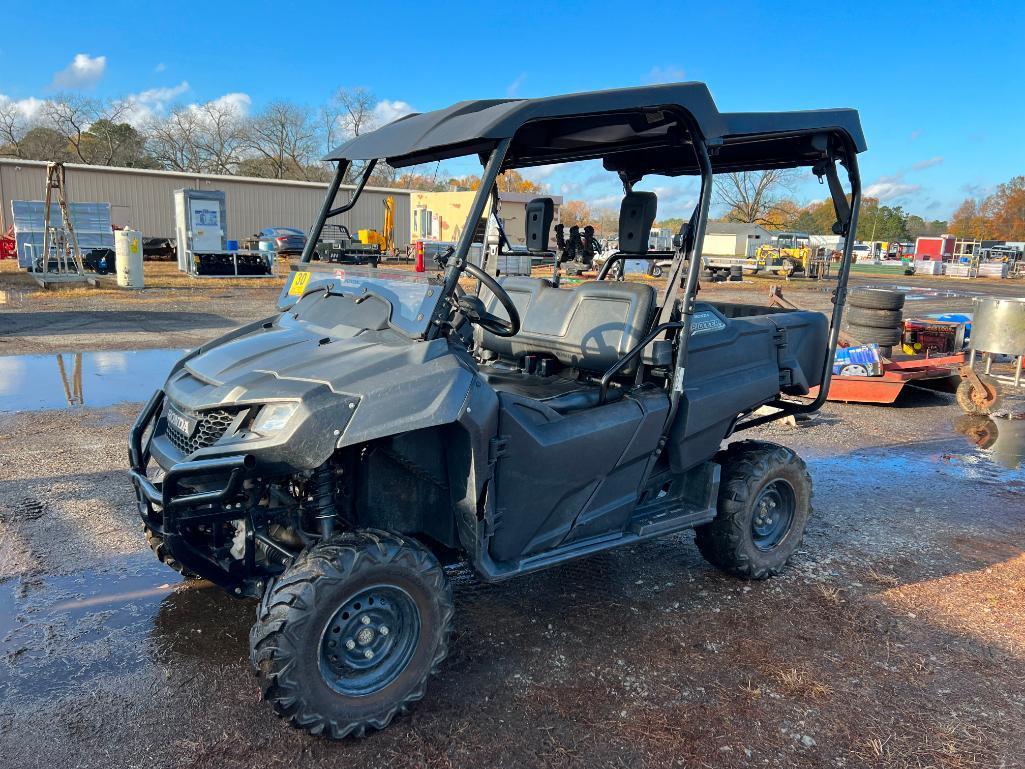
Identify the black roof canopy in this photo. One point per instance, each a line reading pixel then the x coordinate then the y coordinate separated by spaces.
pixel 635 130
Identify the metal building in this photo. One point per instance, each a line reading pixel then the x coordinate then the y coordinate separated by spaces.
pixel 144 200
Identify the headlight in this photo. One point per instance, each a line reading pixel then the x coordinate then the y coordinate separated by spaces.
pixel 274 417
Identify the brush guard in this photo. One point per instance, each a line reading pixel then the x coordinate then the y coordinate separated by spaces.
pixel 170 505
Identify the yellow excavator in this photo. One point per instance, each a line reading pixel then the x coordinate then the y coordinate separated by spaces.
pixel 386 240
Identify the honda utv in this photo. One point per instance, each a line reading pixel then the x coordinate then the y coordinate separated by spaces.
pixel 331 459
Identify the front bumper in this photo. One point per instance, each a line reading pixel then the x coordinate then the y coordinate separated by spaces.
pixel 193 493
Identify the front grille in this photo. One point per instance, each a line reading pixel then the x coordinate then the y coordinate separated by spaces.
pixel 209 430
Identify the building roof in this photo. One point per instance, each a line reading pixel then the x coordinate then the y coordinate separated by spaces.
pixel 639 129
pixel 732 228
pixel 188 175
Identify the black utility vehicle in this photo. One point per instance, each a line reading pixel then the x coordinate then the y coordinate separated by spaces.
pixel 329 459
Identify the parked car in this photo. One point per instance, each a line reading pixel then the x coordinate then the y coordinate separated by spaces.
pixel 283 241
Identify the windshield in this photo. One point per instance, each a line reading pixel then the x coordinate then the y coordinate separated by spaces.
pixel 411 296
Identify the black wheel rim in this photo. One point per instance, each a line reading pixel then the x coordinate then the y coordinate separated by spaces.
pixel 773 514
pixel 369 641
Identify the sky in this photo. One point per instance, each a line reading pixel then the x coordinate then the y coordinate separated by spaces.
pixel 940 86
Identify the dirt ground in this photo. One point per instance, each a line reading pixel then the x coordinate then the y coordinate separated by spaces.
pixel 896 638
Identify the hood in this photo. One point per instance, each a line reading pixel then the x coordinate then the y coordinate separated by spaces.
pixel 399 384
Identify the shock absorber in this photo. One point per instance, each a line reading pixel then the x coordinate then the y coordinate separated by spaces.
pixel 322 499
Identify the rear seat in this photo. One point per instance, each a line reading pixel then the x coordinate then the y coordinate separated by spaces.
pixel 586 328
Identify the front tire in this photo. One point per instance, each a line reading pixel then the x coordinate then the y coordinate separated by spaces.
pixel 764 506
pixel 156 544
pixel 348 635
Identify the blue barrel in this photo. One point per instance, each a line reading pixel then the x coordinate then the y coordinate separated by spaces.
pixel 233 245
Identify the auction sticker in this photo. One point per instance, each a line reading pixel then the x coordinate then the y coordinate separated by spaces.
pixel 299 282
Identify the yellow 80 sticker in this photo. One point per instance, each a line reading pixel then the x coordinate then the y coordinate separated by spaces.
pixel 299 282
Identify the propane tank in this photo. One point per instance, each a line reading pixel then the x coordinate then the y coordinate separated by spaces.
pixel 128 250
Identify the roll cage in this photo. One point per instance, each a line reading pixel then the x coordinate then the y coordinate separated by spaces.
pixel 669 130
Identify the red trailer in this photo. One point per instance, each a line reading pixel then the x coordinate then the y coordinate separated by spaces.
pixel 939 248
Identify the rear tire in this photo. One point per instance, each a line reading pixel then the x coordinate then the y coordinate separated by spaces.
pixel 764 505
pixel 884 337
pixel 862 316
pixel 360 593
pixel 876 299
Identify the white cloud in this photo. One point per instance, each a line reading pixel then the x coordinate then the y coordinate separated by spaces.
pixel 160 67
pixel 386 111
pixel 540 173
pixel 513 89
pixel 28 108
pixel 976 190
pixel 608 201
pixel 667 74
pixel 236 101
pixel 923 164
pixel 676 200
pixel 156 102
pixel 893 186
pixel 890 190
pixel 140 107
pixel 84 71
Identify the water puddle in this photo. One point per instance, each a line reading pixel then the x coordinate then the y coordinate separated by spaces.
pixel 12 297
pixel 57 633
pixel 998 438
pixel 987 449
pixel 91 379
pixel 917 293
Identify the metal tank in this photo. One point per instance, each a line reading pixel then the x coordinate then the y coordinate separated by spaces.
pixel 128 248
pixel 998 327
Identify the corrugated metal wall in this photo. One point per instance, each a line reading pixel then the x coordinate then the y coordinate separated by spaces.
pixel 144 199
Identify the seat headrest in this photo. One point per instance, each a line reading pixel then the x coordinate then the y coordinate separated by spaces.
pixel 636 216
pixel 540 212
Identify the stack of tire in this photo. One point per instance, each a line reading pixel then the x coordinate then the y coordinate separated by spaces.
pixel 875 315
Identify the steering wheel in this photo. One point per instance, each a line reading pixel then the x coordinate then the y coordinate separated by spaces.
pixel 475 312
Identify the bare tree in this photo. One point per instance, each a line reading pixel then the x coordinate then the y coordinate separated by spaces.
pixel 222 138
pixel 349 113
pixel 753 197
pixel 174 141
pixel 209 138
pixel 13 127
pixel 72 114
pixel 354 108
pixel 284 136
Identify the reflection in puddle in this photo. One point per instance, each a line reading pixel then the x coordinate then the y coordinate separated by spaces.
pixel 37 382
pixel 913 293
pixel 1002 438
pixel 58 633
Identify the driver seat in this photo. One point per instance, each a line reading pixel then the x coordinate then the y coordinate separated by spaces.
pixel 586 329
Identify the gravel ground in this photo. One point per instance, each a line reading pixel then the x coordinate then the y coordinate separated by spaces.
pixel 894 639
